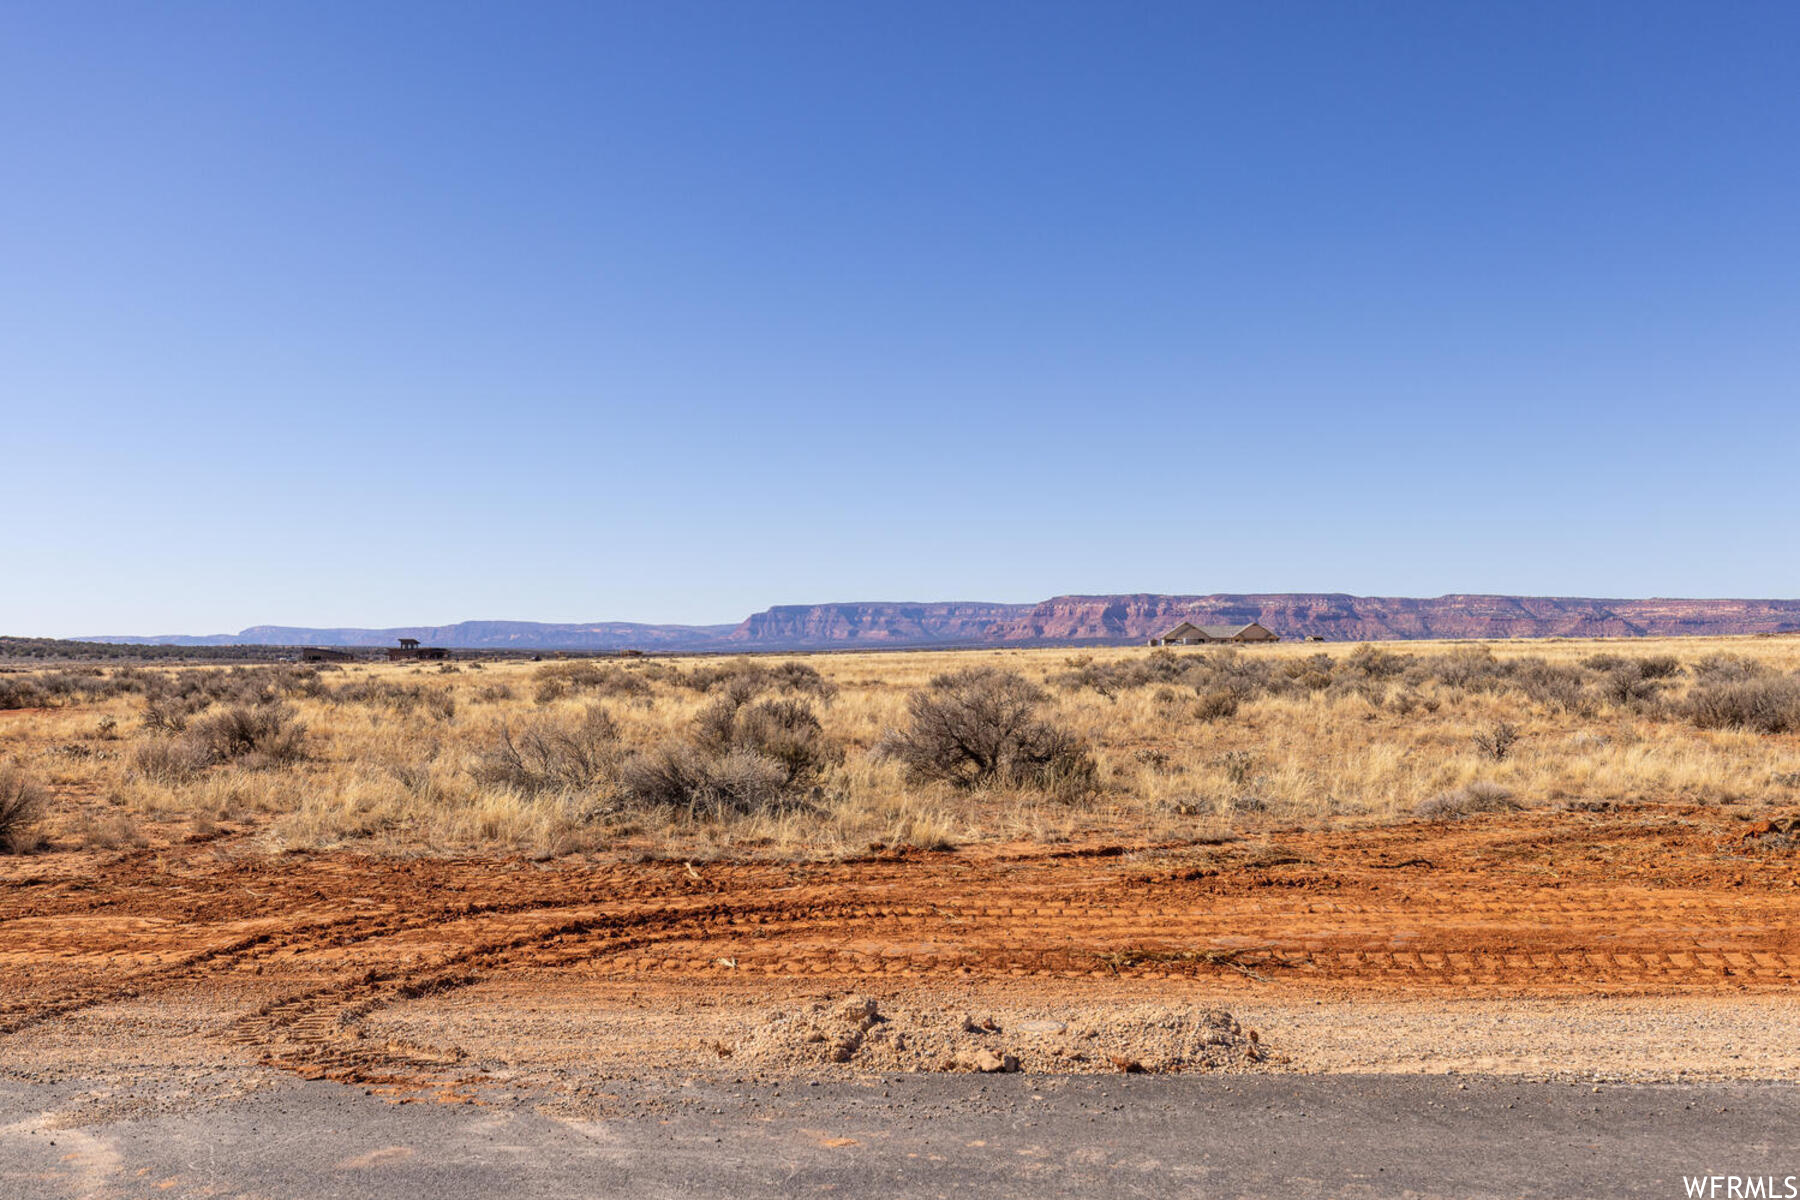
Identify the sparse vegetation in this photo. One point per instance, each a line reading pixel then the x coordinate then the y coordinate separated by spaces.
pixel 261 735
pixel 1497 740
pixel 829 755
pixel 742 757
pixel 1471 798
pixel 22 802
pixel 1762 704
pixel 574 753
pixel 981 726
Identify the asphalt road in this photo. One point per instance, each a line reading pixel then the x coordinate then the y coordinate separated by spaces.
pixel 911 1136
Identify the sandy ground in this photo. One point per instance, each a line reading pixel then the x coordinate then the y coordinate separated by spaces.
pixel 1646 944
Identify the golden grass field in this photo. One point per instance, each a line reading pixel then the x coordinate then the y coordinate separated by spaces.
pixel 397 758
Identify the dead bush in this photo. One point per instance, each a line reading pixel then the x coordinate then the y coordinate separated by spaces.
pixel 981 726
pixel 1497 740
pixel 1478 797
pixel 554 755
pixel 1766 705
pixel 22 804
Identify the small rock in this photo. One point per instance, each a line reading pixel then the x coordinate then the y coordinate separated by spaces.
pixel 988 1063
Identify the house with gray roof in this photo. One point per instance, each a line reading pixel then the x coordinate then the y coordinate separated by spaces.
pixel 1189 634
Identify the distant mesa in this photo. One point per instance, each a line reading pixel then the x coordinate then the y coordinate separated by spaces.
pixel 1063 620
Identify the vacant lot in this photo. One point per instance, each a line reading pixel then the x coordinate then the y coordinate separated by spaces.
pixel 829 755
pixel 1552 859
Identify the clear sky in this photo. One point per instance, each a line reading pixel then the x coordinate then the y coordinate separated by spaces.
pixel 381 313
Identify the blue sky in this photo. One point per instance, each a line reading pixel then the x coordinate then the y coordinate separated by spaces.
pixel 377 314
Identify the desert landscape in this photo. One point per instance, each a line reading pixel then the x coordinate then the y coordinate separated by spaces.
pixel 1567 859
pixel 625 599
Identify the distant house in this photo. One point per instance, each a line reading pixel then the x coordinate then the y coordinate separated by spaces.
pixel 321 654
pixel 409 650
pixel 1188 634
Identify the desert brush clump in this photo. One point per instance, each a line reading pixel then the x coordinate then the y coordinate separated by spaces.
pixel 259 735
pixel 1468 800
pixel 982 725
pixel 550 753
pixel 605 680
pixel 1764 704
pixel 741 756
pixel 22 805
pixel 748 676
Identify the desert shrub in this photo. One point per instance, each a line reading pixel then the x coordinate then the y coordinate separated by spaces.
pixel 1220 669
pixel 1239 766
pixel 21 692
pixel 745 678
pixel 787 732
pixel 1766 705
pixel 1632 682
pixel 1729 668
pixel 550 691
pixel 679 775
pixel 1084 673
pixel 22 803
pixel 1312 672
pixel 258 735
pixel 602 679
pixel 1374 663
pixel 791 676
pixel 1478 797
pixel 981 726
pixel 573 754
pixel 377 693
pixel 195 689
pixel 493 693
pixel 169 760
pixel 1216 704
pixel 741 757
pixel 1553 685
pixel 1497 740
pixel 1244 676
pixel 1475 670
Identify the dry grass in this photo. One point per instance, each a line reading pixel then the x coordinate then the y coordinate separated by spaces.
pixel 1193 744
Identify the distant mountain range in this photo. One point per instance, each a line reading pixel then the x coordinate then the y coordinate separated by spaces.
pixel 1070 620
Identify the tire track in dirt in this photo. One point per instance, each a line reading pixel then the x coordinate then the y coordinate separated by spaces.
pixel 1512 907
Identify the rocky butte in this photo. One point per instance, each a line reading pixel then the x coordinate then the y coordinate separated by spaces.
pixel 1096 620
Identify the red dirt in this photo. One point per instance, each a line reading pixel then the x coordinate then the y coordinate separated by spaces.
pixel 299 950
